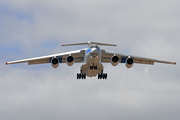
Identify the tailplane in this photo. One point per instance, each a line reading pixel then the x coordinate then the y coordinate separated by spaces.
pixel 89 43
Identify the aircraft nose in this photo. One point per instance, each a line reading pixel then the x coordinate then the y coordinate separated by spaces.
pixel 94 51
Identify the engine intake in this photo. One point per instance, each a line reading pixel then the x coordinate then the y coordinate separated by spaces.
pixel 55 62
pixel 70 60
pixel 114 60
pixel 129 62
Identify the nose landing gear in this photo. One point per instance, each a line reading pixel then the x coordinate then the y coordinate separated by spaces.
pixel 93 67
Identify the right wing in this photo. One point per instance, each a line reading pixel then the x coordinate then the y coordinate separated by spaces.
pixel 78 58
pixel 106 58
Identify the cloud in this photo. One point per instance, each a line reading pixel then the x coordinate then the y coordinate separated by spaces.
pixel 36 28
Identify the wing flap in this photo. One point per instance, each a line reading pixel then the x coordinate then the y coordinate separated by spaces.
pixel 78 59
pixel 40 61
pixel 143 62
pixel 106 59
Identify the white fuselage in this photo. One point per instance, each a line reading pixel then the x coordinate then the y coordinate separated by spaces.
pixel 92 62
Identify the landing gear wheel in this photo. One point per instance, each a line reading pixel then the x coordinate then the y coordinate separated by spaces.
pixel 102 76
pixel 105 76
pixel 81 75
pixel 91 67
pixel 95 67
pixel 85 76
pixel 77 75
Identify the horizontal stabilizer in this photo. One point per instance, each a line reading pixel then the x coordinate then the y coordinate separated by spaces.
pixel 89 43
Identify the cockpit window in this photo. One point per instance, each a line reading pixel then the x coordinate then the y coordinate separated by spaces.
pixel 98 48
pixel 93 46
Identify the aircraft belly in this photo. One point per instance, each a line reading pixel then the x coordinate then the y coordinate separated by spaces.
pixel 91 73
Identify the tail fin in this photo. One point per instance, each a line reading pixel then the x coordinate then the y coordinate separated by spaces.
pixel 89 43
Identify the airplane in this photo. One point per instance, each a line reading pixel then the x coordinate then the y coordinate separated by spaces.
pixel 91 59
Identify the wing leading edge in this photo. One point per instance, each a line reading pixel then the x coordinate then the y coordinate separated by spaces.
pixel 78 56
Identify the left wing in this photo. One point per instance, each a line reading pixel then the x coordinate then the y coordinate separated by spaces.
pixel 106 58
pixel 78 58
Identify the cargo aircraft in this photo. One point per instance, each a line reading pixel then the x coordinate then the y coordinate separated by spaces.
pixel 91 59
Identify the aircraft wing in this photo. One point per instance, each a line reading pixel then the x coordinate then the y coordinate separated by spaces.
pixel 106 58
pixel 78 58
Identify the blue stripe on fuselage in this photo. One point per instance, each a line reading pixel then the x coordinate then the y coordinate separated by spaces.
pixel 88 50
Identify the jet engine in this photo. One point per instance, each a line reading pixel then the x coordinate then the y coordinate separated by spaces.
pixel 129 62
pixel 70 60
pixel 114 60
pixel 55 62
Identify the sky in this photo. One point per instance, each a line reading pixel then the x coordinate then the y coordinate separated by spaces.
pixel 146 28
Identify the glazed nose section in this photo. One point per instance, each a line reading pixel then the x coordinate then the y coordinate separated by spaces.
pixel 94 51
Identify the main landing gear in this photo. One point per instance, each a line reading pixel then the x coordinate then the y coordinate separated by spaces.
pixel 102 76
pixel 81 75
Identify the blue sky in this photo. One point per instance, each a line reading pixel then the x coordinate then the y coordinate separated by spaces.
pixel 32 28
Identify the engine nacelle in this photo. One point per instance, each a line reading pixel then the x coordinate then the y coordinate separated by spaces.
pixel 129 62
pixel 55 62
pixel 114 60
pixel 70 60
